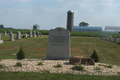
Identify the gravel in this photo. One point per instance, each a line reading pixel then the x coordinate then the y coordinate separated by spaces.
pixel 30 65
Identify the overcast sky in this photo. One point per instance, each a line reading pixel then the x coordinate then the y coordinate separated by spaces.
pixel 53 13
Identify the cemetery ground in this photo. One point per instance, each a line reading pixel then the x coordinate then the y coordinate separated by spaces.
pixel 36 48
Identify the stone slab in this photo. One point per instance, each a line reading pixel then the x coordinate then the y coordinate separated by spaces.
pixel 58 44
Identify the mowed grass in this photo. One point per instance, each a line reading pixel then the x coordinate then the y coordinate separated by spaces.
pixel 51 76
pixel 36 48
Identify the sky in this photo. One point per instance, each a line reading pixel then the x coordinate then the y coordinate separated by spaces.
pixel 49 14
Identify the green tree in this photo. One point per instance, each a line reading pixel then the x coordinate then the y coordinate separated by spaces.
pixel 21 54
pixel 95 56
pixel 83 24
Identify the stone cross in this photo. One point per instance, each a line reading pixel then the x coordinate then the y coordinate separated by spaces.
pixel 59 30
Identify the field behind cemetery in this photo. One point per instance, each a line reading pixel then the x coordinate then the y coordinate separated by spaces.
pixel 36 48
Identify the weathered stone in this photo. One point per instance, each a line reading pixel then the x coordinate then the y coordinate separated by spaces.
pixel 80 60
pixel 75 60
pixel 58 44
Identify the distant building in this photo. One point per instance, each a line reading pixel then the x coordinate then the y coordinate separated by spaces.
pixel 112 28
pixel 36 27
pixel 87 29
pixel 1 26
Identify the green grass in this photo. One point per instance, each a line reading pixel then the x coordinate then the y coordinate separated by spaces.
pixel 109 66
pixel 18 64
pixel 2 66
pixel 36 48
pixel 51 76
pixel 78 67
pixel 40 63
pixel 97 68
pixel 58 66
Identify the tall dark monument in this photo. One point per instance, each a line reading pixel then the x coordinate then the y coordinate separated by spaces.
pixel 70 16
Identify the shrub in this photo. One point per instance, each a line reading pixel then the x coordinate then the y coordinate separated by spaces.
pixel 21 54
pixel 109 66
pixel 97 68
pixel 40 63
pixel 19 64
pixel 95 56
pixel 78 67
pixel 58 66
pixel 2 66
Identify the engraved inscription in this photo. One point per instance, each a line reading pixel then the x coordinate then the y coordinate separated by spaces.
pixel 58 39
pixel 58 44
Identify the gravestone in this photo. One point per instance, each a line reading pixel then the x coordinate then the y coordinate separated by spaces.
pixel 18 35
pixel 58 44
pixel 110 38
pixel 34 34
pixel 12 37
pixel 38 34
pixel 1 41
pixel 101 37
pixel 25 35
pixel 10 32
pixel 106 37
pixel 30 33
pixel 5 33
pixel 114 39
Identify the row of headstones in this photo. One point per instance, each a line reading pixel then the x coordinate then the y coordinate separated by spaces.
pixel 109 38
pixel 19 35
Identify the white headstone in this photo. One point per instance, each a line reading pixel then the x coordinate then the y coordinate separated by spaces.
pixel 18 35
pixel 101 37
pixel 34 34
pixel 12 37
pixel 10 32
pixel 5 33
pixel 110 38
pixel 25 35
pixel 58 44
pixel 1 41
pixel 106 37
pixel 30 33
pixel 38 34
pixel 114 39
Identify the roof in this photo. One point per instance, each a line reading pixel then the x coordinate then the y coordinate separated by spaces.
pixel 35 25
pixel 112 27
pixel 88 27
pixel 70 11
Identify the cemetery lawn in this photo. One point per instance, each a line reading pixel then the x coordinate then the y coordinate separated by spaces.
pixel 36 48
pixel 51 76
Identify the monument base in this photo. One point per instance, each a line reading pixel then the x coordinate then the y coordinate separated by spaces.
pixel 1 41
